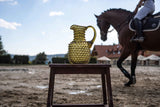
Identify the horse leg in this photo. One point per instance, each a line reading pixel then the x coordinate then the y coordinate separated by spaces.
pixel 123 56
pixel 132 79
pixel 133 66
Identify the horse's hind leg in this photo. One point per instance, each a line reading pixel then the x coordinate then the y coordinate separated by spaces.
pixel 124 55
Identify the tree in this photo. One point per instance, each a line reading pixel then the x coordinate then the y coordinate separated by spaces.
pixel 40 58
pixel 2 51
pixel 4 57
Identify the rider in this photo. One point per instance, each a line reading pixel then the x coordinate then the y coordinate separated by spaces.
pixel 148 8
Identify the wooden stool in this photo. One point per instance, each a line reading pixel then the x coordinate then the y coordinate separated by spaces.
pixel 82 69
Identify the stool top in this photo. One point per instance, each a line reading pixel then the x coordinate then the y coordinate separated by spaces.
pixel 81 65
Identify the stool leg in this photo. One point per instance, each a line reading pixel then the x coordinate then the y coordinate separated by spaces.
pixel 104 89
pixel 109 88
pixel 51 89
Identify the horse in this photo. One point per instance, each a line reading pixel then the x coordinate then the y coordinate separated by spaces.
pixel 119 19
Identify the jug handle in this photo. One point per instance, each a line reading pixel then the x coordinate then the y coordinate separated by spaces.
pixel 90 43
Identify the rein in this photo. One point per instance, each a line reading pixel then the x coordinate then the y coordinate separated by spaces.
pixel 110 31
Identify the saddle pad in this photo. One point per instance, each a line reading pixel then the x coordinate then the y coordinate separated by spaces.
pixel 149 24
pixel 157 15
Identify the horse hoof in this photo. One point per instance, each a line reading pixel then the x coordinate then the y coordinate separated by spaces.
pixel 133 80
pixel 127 85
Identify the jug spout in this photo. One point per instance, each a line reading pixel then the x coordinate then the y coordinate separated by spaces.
pixel 79 32
pixel 78 27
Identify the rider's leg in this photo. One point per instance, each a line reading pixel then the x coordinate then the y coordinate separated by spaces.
pixel 143 12
pixel 139 32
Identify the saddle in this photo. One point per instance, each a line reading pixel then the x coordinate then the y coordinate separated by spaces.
pixel 149 23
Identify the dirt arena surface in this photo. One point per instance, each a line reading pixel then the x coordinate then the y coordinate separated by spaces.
pixel 27 86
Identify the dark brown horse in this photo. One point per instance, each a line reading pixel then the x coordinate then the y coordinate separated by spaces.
pixel 119 19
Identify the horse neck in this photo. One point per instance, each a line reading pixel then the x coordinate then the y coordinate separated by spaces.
pixel 117 18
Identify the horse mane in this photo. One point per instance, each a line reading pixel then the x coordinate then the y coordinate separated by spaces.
pixel 120 10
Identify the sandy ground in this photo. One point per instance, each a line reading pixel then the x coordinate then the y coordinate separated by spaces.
pixel 27 86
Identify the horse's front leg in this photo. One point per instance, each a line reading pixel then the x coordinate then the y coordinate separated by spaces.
pixel 123 56
pixel 132 79
pixel 133 66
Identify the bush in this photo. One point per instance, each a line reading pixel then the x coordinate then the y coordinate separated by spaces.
pixel 21 59
pixel 60 60
pixel 93 60
pixel 5 59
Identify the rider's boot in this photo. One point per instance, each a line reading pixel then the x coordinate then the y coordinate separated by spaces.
pixel 139 33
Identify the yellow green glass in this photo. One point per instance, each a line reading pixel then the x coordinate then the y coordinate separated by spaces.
pixel 79 48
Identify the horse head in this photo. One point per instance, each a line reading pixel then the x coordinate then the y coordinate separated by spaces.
pixel 103 26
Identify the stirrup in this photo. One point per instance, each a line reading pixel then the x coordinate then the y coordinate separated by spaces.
pixel 132 39
pixel 138 39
